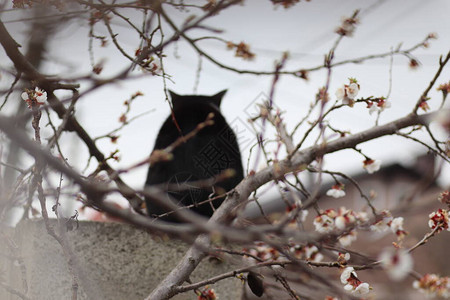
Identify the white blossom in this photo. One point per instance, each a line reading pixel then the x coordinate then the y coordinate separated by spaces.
pixel 372 166
pixel 40 95
pixel 382 225
pixel 336 193
pixel 312 253
pixel 352 90
pixel 323 223
pixel 397 263
pixel 396 224
pixel 362 289
pixel 340 93
pixel 348 239
pixel 340 222
pixel 345 275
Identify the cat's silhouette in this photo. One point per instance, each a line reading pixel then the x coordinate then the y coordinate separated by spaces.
pixel 211 151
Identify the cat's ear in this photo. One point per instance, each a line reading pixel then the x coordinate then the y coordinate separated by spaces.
pixel 217 98
pixel 175 98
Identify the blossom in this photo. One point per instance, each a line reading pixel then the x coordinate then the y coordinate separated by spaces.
pixel 34 97
pixel 308 252
pixel 439 218
pixel 347 27
pixel 263 251
pixel 348 93
pixel 40 95
pixel 397 263
pixel 432 285
pixel 345 217
pixel 352 90
pixel 362 217
pixel 312 253
pixel 340 93
pixel 378 105
pixel 382 225
pixel 424 105
pixel 348 239
pixel 414 63
pixel 396 224
pixel 343 258
pixel 352 283
pixel 345 275
pixel 206 294
pixel 324 223
pixel 336 191
pixel 371 165
pixel 242 50
pixel 444 88
pixel 362 289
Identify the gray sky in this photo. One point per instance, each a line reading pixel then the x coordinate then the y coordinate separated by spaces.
pixel 306 31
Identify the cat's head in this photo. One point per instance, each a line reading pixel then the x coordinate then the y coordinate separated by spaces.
pixel 179 101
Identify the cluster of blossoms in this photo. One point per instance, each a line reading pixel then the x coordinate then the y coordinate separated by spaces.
pixel 36 96
pixel 352 283
pixel 378 105
pixel 336 191
pixel 388 222
pixel 308 252
pixel 331 220
pixel 439 219
pixel 206 294
pixel 371 165
pixel 433 286
pixel 242 50
pixel 397 262
pixel 348 92
pixel 263 251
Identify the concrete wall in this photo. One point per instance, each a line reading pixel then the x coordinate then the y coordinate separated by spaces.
pixel 118 261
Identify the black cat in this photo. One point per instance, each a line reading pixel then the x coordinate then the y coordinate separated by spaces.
pixel 210 152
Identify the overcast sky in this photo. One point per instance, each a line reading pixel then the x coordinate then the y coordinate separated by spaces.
pixel 306 31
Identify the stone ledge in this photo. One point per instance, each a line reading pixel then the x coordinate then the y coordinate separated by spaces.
pixel 119 262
